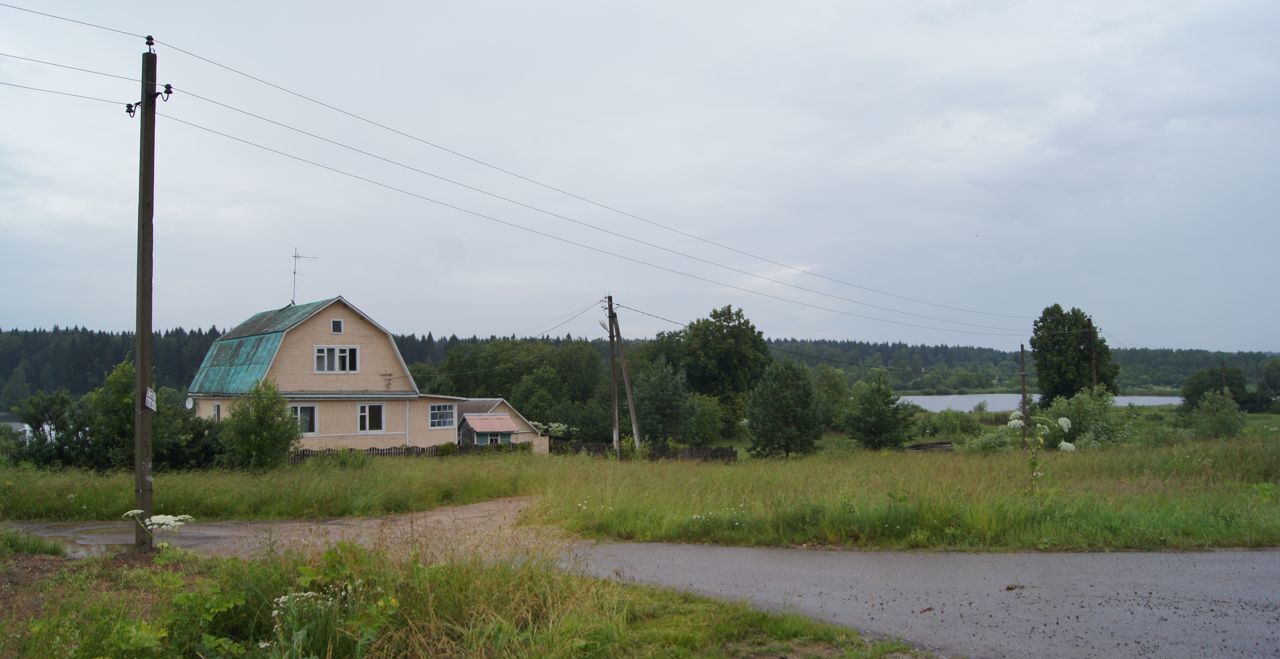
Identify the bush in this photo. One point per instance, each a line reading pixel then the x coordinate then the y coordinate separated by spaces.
pixel 1217 415
pixel 1094 419
pixel 348 458
pixel 991 441
pixel 447 449
pixel 950 423
pixel 702 420
pixel 261 430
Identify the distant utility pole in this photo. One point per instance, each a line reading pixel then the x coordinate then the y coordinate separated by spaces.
pixel 616 332
pixel 613 381
pixel 1022 365
pixel 293 299
pixel 144 405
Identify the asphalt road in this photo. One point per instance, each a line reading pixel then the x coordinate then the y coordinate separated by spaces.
pixel 1131 604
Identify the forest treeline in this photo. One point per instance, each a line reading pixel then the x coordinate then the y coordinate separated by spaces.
pixel 77 359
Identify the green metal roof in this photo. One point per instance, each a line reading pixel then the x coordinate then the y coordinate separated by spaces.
pixel 239 359
pixel 278 320
pixel 234 366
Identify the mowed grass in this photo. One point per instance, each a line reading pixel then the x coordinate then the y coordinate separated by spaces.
pixel 351 601
pixel 1181 496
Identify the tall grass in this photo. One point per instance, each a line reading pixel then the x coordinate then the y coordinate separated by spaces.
pixel 17 542
pixel 1183 495
pixel 351 601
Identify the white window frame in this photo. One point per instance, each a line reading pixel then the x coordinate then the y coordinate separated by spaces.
pixel 315 419
pixel 336 326
pixel 362 419
pixel 339 355
pixel 217 412
pixel 436 408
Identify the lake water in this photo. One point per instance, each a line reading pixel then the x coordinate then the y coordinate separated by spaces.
pixel 1009 402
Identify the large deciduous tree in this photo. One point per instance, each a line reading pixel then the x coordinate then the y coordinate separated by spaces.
pixel 724 356
pixel 1070 354
pixel 782 412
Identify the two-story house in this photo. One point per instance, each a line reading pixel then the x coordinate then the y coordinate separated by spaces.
pixel 342 374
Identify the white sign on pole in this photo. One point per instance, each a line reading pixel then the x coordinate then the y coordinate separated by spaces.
pixel 151 399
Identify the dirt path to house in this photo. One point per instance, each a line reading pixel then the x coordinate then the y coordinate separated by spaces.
pixel 489 523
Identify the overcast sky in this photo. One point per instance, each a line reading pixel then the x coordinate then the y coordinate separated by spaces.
pixel 992 157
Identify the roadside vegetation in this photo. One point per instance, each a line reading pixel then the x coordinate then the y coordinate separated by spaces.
pixel 349 601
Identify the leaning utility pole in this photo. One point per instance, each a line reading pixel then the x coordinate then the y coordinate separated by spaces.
pixel 143 396
pixel 613 382
pixel 1022 365
pixel 626 376
pixel 1093 352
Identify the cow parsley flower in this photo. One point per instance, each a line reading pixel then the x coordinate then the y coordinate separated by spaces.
pixel 1067 447
pixel 1064 423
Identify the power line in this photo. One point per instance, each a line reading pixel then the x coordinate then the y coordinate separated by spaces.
pixel 68 66
pixel 54 91
pixel 574 316
pixel 582 223
pixel 72 20
pixel 570 241
pixel 516 202
pixel 549 186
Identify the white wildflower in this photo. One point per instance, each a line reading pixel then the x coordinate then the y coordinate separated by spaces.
pixel 1016 415
pixel 1042 429
pixel 131 513
pixel 1064 423
pixel 1067 447
pixel 1016 424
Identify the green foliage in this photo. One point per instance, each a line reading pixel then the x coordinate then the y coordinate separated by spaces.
pixel 539 394
pixel 1271 375
pixel 876 417
pixel 429 378
pixel 951 423
pixel 261 429
pixel 57 433
pixel 1068 350
pixel 180 439
pixel 10 440
pixel 703 419
pixel 991 440
pixel 109 410
pixel 723 355
pixel 1214 380
pixel 355 602
pixel 1094 419
pixel 782 412
pixel 17 542
pixel 1217 416
pixel 833 393
pixel 660 394
pixel 15 388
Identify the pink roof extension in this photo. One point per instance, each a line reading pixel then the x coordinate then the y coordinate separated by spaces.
pixel 491 423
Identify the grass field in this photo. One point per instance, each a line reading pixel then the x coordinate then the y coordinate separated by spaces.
pixel 350 601
pixel 1179 496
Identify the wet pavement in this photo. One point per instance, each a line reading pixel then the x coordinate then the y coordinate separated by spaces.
pixel 1130 604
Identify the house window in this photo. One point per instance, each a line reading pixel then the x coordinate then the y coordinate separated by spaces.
pixel 337 359
pixel 335 326
pixel 442 415
pixel 491 438
pixel 370 417
pixel 217 412
pixel 306 416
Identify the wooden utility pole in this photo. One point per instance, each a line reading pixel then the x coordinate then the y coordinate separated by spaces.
pixel 626 375
pixel 1022 365
pixel 613 382
pixel 143 396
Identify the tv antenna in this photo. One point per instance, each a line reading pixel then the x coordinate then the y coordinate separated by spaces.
pixel 293 299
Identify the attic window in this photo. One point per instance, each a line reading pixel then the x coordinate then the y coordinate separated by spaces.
pixel 335 326
pixel 337 359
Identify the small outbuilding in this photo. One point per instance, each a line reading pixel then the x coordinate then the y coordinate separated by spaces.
pixel 490 428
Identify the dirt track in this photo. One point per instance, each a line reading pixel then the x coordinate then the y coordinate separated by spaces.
pixel 453 526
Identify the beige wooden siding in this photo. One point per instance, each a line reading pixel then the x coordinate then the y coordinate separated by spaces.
pixel 421 433
pixel 378 367
pixel 204 407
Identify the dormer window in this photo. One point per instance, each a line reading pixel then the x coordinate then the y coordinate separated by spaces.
pixel 337 359
pixel 335 326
